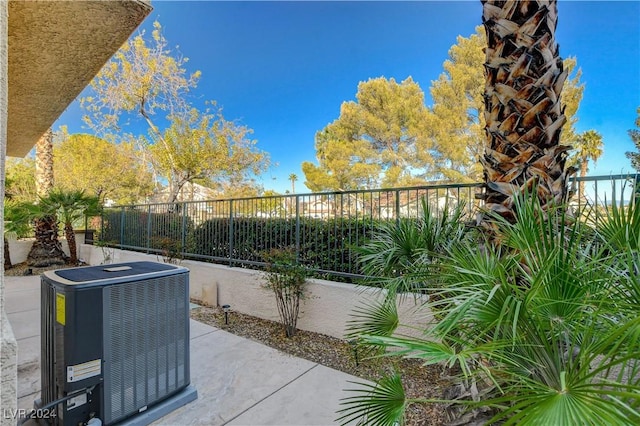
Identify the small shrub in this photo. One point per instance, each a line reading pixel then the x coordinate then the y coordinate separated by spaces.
pixel 287 282
pixel 170 249
pixel 107 250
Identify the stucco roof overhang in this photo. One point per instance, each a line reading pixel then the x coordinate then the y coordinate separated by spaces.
pixel 55 49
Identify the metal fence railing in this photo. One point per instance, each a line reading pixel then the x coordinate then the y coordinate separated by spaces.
pixel 322 228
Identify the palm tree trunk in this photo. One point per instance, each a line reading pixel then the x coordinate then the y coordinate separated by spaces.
pixel 524 78
pixel 583 172
pixel 46 249
pixel 71 241
pixel 7 255
pixel 44 164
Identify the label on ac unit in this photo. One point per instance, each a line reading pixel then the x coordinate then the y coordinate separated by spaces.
pixel 77 401
pixel 60 308
pixel 83 371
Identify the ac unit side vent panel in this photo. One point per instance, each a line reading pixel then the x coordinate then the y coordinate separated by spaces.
pixel 47 346
pixel 146 344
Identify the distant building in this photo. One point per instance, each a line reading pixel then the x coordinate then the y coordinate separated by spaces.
pixel 408 203
pixel 188 192
pixel 196 192
pixel 318 208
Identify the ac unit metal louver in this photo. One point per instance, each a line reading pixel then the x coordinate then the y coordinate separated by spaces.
pixel 115 342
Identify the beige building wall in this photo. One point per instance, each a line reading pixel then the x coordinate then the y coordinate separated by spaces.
pixel 48 68
pixel 8 344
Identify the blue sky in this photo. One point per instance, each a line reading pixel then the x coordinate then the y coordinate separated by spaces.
pixel 284 68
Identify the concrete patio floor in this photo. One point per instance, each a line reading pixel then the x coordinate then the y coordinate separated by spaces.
pixel 239 381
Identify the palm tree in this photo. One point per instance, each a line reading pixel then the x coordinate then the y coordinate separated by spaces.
pixel 46 249
pixel 44 164
pixel 537 320
pixel 587 147
pixel 69 206
pixel 524 78
pixel 293 178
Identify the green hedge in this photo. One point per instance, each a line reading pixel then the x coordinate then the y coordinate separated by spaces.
pixel 145 230
pixel 324 245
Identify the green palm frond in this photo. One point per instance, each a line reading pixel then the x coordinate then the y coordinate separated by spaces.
pixel 70 205
pixel 442 229
pixel 381 404
pixel 379 318
pixel 620 227
pixel 625 289
pixel 616 348
pixel 430 352
pixel 585 376
pixel 401 254
pixel 549 407
pixel 18 217
pixel 395 246
pixel 573 400
pixel 477 292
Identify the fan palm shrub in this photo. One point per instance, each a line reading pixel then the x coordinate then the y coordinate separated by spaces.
pixel 397 258
pixel 400 252
pixel 620 228
pixel 543 327
pixel 69 206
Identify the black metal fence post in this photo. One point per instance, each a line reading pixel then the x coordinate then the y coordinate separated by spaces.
pixel 231 232
pixel 122 215
pixel 297 229
pixel 596 204
pixel 148 229
pixel 183 239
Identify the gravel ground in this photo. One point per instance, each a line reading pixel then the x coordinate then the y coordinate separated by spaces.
pixel 419 381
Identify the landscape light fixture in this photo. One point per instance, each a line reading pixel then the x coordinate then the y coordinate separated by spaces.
pixel 226 309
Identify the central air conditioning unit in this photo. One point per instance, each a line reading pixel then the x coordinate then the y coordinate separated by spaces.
pixel 115 343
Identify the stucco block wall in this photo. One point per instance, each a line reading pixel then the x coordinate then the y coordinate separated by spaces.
pixel 19 249
pixel 8 344
pixel 8 370
pixel 326 309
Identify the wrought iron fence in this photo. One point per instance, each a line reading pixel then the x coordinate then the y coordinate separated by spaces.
pixel 322 228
